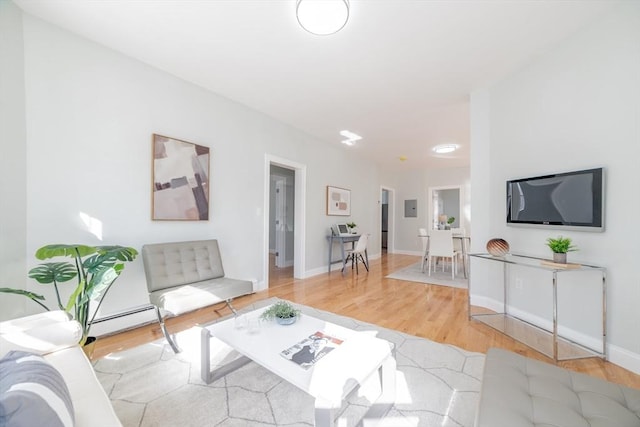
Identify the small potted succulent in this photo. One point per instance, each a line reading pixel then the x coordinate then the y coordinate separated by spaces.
pixel 560 246
pixel 282 311
pixel 450 222
pixel 352 227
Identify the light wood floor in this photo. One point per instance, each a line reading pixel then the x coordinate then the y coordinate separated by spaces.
pixel 438 313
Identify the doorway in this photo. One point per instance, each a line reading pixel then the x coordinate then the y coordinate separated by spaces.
pixel 281 223
pixel 284 221
pixel 386 220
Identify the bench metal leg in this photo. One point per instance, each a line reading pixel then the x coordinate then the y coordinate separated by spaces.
pixel 173 345
pixel 231 307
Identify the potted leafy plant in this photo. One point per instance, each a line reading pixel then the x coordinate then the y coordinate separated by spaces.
pixel 352 227
pixel 560 246
pixel 282 311
pixel 450 222
pixel 96 268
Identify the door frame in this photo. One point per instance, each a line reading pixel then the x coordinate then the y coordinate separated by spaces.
pixel 300 177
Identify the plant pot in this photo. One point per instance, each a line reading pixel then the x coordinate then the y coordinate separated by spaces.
pixel 286 320
pixel 560 258
pixel 89 346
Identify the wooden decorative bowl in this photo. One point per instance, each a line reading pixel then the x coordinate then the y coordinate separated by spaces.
pixel 498 247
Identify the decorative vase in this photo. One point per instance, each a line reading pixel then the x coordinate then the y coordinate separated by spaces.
pixel 498 247
pixel 560 258
pixel 286 320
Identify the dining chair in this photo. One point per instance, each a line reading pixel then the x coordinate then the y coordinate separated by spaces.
pixel 358 253
pixel 458 240
pixel 441 246
pixel 424 238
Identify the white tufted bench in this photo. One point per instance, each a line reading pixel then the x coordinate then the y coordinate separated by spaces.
pixel 185 276
pixel 518 391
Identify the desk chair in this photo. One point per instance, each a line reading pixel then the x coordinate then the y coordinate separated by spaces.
pixel 424 238
pixel 357 253
pixel 441 245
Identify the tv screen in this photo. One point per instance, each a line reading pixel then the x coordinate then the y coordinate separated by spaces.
pixel 571 199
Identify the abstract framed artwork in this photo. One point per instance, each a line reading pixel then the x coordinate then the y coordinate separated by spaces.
pixel 338 201
pixel 180 180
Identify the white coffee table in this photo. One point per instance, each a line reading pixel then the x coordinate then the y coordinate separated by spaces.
pixel 330 380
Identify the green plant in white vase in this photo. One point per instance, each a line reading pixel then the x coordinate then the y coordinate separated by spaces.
pixel 282 311
pixel 560 246
pixel 352 227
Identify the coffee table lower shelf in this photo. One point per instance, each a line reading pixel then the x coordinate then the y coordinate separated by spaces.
pixel 535 337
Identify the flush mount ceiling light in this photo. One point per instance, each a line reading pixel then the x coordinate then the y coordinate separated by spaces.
pixel 322 17
pixel 445 148
pixel 351 137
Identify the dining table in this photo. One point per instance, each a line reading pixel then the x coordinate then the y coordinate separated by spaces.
pixel 465 242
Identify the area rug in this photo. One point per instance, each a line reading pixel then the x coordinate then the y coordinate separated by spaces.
pixel 414 273
pixel 436 385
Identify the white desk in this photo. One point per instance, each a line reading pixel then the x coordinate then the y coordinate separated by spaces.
pixel 351 238
pixel 465 241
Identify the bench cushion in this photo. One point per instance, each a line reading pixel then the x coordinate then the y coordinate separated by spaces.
pixel 179 263
pixel 181 299
pixel 521 392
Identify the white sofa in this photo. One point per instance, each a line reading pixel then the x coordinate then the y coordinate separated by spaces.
pixel 55 337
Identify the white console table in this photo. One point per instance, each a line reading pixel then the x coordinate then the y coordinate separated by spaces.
pixel 545 341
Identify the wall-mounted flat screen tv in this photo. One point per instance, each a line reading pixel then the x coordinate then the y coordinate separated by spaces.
pixel 563 200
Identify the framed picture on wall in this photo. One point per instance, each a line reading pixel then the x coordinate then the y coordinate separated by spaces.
pixel 338 201
pixel 180 180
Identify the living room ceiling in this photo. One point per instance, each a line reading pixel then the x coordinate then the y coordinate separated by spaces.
pixel 399 74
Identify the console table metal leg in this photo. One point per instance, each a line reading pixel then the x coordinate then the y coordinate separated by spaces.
pixel 604 316
pixel 555 316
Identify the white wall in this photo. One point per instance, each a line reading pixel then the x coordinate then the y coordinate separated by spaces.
pixel 13 184
pixel 90 114
pixel 574 108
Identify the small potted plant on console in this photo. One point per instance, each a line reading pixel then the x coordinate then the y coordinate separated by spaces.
pixel 560 246
pixel 283 312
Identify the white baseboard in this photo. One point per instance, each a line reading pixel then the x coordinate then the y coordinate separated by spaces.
pixel 615 354
pixel 123 323
pixel 624 358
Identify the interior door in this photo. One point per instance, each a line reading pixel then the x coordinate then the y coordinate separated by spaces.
pixel 280 222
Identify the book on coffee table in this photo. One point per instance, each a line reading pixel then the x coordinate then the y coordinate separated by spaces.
pixel 309 350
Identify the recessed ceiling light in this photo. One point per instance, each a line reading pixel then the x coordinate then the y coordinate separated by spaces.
pixel 445 148
pixel 351 137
